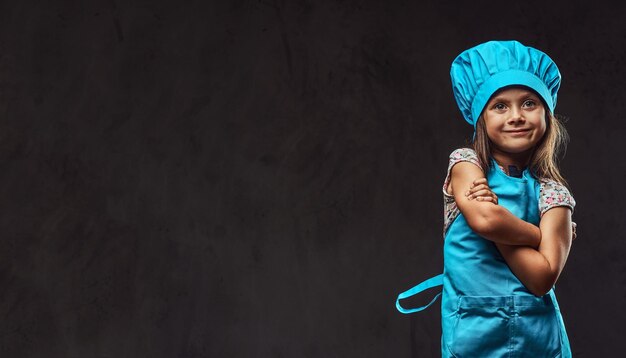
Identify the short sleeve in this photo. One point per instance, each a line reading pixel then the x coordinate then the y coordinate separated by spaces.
pixel 450 210
pixel 459 155
pixel 552 194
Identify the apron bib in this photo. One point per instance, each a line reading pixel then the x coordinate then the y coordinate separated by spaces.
pixel 485 310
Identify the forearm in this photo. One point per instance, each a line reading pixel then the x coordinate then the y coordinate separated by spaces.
pixel 530 266
pixel 501 226
pixel 539 269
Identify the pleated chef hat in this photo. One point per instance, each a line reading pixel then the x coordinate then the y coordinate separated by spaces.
pixel 477 73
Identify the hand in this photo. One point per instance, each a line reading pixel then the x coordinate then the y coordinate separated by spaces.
pixel 573 230
pixel 481 191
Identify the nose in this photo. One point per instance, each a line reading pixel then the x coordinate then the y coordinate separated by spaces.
pixel 516 115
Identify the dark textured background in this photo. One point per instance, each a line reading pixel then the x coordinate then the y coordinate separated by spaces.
pixel 262 178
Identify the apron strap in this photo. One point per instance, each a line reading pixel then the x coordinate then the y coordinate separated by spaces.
pixel 566 350
pixel 553 298
pixel 431 282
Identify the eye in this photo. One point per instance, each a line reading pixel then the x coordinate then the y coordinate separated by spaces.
pixel 499 106
pixel 529 103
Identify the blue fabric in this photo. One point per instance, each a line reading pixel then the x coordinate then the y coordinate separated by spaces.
pixel 431 282
pixel 485 310
pixel 477 73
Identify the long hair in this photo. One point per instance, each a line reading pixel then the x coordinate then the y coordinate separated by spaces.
pixel 543 162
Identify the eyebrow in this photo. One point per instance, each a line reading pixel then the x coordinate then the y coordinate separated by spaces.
pixel 524 95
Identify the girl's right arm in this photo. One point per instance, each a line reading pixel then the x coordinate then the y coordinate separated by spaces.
pixel 493 222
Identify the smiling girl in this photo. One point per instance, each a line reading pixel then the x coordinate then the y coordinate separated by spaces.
pixel 508 211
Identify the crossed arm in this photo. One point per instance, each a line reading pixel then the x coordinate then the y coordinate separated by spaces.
pixel 536 255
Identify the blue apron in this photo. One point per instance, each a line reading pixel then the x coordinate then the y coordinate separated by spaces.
pixel 485 310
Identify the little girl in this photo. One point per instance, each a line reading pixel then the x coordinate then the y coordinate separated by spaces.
pixel 507 224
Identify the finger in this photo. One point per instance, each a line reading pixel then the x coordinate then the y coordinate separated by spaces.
pixel 480 193
pixel 482 187
pixel 477 188
pixel 488 198
pixel 479 181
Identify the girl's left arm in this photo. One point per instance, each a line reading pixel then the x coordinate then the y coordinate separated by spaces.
pixel 539 269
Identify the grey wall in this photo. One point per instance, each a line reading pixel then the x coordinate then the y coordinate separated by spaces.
pixel 262 178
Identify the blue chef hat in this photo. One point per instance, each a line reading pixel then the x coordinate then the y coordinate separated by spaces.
pixel 477 73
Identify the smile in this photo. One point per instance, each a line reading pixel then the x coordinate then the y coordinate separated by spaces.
pixel 519 132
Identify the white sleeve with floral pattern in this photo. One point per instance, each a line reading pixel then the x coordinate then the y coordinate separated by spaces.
pixel 553 193
pixel 450 209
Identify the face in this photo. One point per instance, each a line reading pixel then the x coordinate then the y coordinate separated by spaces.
pixel 515 119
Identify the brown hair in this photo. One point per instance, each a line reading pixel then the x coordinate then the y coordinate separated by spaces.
pixel 543 162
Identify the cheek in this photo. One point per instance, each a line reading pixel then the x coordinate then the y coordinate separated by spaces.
pixel 541 124
pixel 492 127
pixel 541 129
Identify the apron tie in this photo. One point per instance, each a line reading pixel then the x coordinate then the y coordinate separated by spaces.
pixel 431 282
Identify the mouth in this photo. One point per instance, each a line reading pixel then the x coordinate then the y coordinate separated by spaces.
pixel 518 131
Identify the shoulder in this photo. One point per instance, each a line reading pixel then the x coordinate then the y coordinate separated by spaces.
pixel 467 153
pixel 451 210
pixel 463 155
pixel 457 156
pixel 459 180
pixel 553 194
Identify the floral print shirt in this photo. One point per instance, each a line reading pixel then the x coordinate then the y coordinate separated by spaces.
pixel 551 193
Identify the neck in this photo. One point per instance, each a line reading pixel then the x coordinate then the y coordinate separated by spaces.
pixel 520 160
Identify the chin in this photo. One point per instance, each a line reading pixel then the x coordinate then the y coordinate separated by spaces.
pixel 516 149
